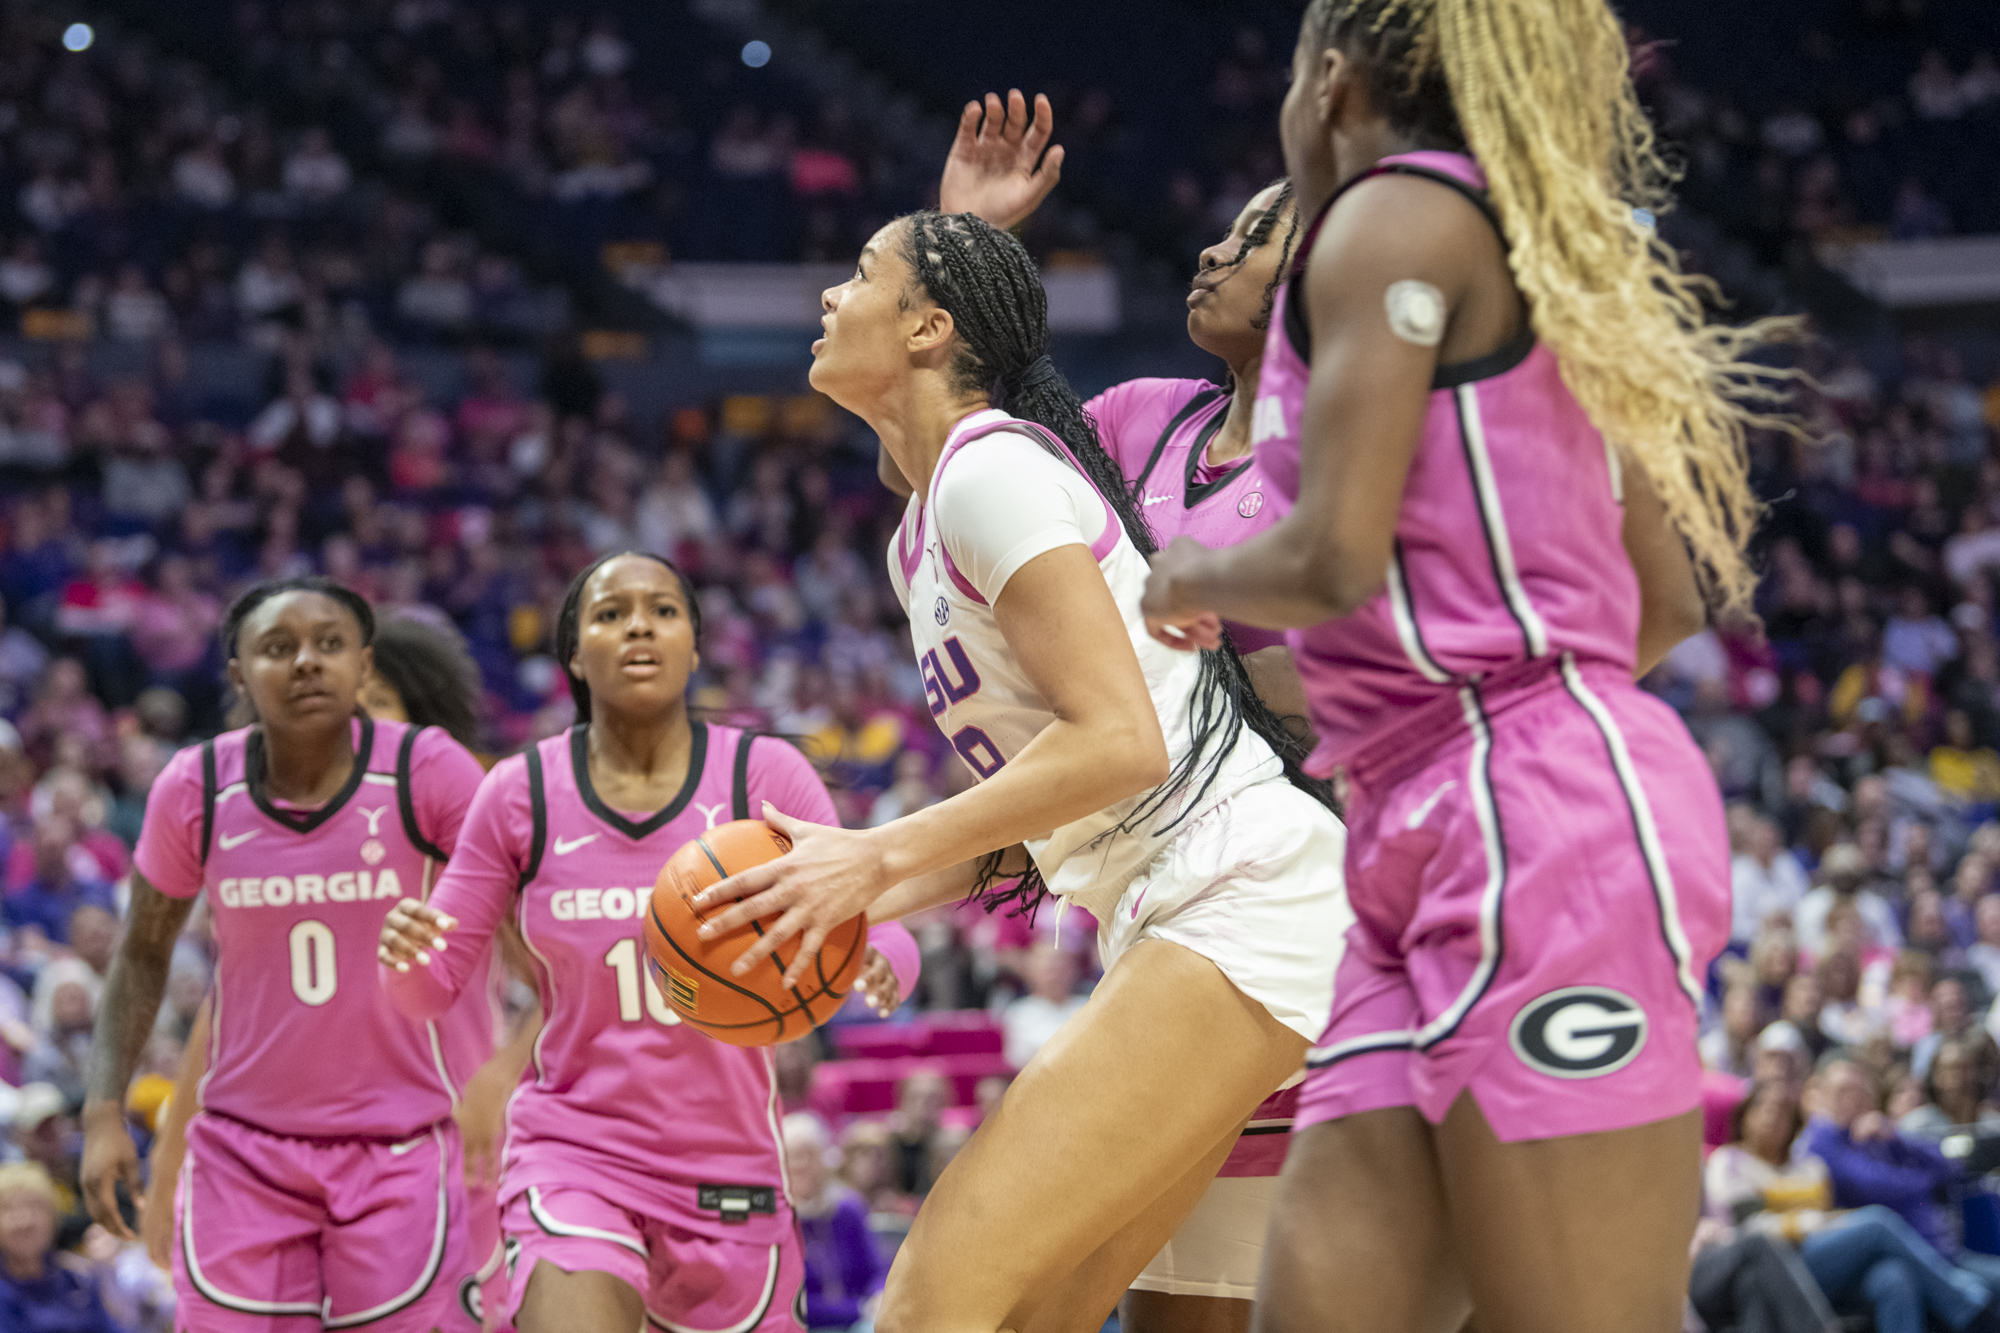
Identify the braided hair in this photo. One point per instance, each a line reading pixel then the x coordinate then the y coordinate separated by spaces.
pixel 259 593
pixel 1259 236
pixel 985 280
pixel 569 631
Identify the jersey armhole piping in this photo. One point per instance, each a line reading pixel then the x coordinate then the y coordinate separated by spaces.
pixel 406 801
pixel 208 794
pixel 739 786
pixel 538 810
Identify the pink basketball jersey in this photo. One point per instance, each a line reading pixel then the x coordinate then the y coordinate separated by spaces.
pixel 305 1044
pixel 1507 547
pixel 1159 432
pixel 620 1098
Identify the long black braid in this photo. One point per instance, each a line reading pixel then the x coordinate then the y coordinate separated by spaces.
pixel 986 281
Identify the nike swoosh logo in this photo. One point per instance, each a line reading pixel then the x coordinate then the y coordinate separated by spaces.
pixel 237 841
pixel 1157 499
pixel 1423 812
pixel 565 848
pixel 398 1149
pixel 1140 899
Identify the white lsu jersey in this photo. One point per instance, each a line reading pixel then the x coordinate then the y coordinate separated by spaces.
pixel 1023 499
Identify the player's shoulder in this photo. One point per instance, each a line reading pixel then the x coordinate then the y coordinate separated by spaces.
pixel 188 763
pixel 1009 451
pixel 1130 416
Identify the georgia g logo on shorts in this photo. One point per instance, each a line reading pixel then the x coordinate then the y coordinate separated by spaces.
pixel 1579 1032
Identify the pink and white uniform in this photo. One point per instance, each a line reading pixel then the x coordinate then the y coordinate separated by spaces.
pixel 635 1146
pixel 323 1182
pixel 1159 431
pixel 1538 860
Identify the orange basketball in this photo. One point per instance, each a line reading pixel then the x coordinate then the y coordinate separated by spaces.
pixel 693 973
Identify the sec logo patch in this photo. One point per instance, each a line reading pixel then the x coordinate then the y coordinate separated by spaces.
pixel 1579 1032
pixel 1251 504
pixel 941 612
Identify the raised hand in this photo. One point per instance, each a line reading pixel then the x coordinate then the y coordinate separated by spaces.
pixel 996 168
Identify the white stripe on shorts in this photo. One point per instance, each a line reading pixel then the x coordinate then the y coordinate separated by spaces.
pixel 1657 870
pixel 1480 783
pixel 540 1213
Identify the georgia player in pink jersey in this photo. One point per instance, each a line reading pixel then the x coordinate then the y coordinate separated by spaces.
pixel 1183 446
pixel 322 1183
pixel 421 675
pixel 644 1177
pixel 1506 422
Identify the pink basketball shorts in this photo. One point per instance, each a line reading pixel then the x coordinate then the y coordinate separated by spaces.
pixel 286 1235
pixel 688 1280
pixel 1540 875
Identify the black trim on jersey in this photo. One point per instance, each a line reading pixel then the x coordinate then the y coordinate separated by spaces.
pixel 1194 492
pixel 1492 542
pixel 406 802
pixel 305 821
pixel 1298 331
pixel 538 817
pixel 1410 598
pixel 1496 362
pixel 739 786
pixel 579 759
pixel 1195 404
pixel 209 791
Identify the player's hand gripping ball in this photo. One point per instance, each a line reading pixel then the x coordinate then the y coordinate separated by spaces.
pixel 693 973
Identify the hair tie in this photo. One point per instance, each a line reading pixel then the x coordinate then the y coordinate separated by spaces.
pixel 1035 374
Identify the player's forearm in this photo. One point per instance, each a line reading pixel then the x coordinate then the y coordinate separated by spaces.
pixel 132 992
pixel 125 1018
pixel 1287 577
pixel 1068 771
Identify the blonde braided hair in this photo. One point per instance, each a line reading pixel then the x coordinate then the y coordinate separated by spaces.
pixel 1542 95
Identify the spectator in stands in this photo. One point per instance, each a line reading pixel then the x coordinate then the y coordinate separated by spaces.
pixel 1051 973
pixel 1729 1047
pixel 844 1269
pixel 1866 1259
pixel 65 1006
pixel 1962 768
pixel 868 1165
pixel 1935 91
pixel 40 1291
pixel 1953 1093
pixel 44 1133
pixel 1801 1010
pixel 920 1101
pixel 1843 872
pixel 1984 955
pixel 1870 1162
pixel 57 890
pixel 910 792
pixel 1765 877
pixel 315 173
pixel 1952 1015
pixel 1917 216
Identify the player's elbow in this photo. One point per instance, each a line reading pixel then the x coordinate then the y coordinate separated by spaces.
pixel 1339 578
pixel 1139 752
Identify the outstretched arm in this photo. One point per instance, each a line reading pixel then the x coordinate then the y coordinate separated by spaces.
pixel 996 168
pixel 124 1023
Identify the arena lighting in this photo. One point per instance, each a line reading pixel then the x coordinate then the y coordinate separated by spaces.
pixel 78 37
pixel 756 54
